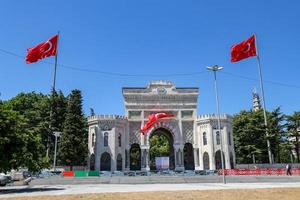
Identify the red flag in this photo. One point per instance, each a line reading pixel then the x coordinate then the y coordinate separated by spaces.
pixel 243 50
pixel 153 118
pixel 43 50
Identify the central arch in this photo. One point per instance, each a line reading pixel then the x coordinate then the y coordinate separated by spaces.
pixel 162 133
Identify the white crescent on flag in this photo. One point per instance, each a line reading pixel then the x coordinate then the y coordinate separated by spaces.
pixel 248 47
pixel 49 48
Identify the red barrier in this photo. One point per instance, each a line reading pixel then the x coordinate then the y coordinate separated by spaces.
pixel 256 172
pixel 68 173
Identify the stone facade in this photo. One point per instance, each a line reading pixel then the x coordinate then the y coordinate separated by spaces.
pixel 195 141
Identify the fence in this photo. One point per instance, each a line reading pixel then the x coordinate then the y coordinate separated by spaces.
pixel 266 165
pixel 257 172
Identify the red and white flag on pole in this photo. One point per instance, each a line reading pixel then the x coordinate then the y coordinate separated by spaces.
pixel 152 119
pixel 43 50
pixel 243 50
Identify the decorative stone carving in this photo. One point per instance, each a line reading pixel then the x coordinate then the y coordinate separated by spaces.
pixel 187 130
pixel 106 125
pixel 134 132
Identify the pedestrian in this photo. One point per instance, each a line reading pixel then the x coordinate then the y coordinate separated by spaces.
pixel 288 169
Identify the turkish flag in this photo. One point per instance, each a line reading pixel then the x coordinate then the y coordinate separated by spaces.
pixel 43 50
pixel 152 119
pixel 243 50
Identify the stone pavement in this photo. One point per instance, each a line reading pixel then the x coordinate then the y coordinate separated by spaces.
pixel 161 179
pixel 17 191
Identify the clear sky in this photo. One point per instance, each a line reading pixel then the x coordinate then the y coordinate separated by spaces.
pixel 153 40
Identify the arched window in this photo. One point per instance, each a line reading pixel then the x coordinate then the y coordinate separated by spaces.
pixel 204 139
pixel 105 162
pixel 119 162
pixel 93 139
pixel 120 140
pixel 105 139
pixel 218 137
pixel 229 138
pixel 205 161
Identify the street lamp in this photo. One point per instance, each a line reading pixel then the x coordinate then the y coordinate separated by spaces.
pixel 56 134
pixel 216 68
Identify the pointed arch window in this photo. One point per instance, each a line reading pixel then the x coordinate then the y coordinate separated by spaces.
pixel 120 140
pixel 204 139
pixel 229 138
pixel 93 139
pixel 106 139
pixel 218 137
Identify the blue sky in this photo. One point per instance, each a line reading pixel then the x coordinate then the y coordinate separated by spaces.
pixel 153 40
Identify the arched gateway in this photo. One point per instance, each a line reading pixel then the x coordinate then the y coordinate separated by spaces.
pixel 161 145
pixel 189 141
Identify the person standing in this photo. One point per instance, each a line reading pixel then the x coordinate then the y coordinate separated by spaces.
pixel 288 169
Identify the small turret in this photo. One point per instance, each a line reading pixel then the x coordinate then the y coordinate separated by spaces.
pixel 256 101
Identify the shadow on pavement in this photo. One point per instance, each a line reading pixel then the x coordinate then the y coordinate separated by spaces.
pixel 27 190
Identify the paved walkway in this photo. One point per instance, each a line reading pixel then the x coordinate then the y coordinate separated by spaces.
pixel 17 191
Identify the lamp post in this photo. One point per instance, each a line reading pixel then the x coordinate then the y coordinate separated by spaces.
pixel 56 134
pixel 216 68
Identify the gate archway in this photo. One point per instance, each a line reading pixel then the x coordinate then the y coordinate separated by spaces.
pixel 92 162
pixel 119 162
pixel 135 157
pixel 105 162
pixel 218 160
pixel 206 161
pixel 155 139
pixel 188 157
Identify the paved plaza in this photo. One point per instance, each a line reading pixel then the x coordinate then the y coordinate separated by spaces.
pixel 73 185
pixel 18 191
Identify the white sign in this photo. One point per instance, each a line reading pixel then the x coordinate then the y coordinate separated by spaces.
pixel 162 163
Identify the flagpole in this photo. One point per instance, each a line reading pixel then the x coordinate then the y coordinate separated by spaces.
pixel 55 63
pixel 264 103
pixel 53 89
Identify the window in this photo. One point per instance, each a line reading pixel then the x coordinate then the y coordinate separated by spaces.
pixel 134 114
pixel 187 114
pixel 106 139
pixel 93 139
pixel 120 140
pixel 218 137
pixel 229 138
pixel 204 139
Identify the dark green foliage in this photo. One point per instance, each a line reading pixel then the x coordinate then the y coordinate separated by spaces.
pixel 58 106
pixel 250 135
pixel 73 143
pixel 159 146
pixel 293 127
pixel 23 132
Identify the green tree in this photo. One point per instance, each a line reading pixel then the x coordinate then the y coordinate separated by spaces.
pixel 159 146
pixel 250 137
pixel 293 125
pixel 22 128
pixel 58 106
pixel 73 142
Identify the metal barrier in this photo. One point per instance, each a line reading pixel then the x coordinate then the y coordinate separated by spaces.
pixel 257 172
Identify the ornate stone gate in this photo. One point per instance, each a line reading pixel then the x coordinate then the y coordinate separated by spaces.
pixel 193 138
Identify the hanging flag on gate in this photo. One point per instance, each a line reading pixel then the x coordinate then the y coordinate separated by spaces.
pixel 43 50
pixel 152 119
pixel 243 50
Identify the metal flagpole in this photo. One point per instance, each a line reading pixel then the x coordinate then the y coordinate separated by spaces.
pixel 55 64
pixel 263 100
pixel 53 88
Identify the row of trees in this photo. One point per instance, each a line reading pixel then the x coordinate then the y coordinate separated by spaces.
pixel 27 123
pixel 251 140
